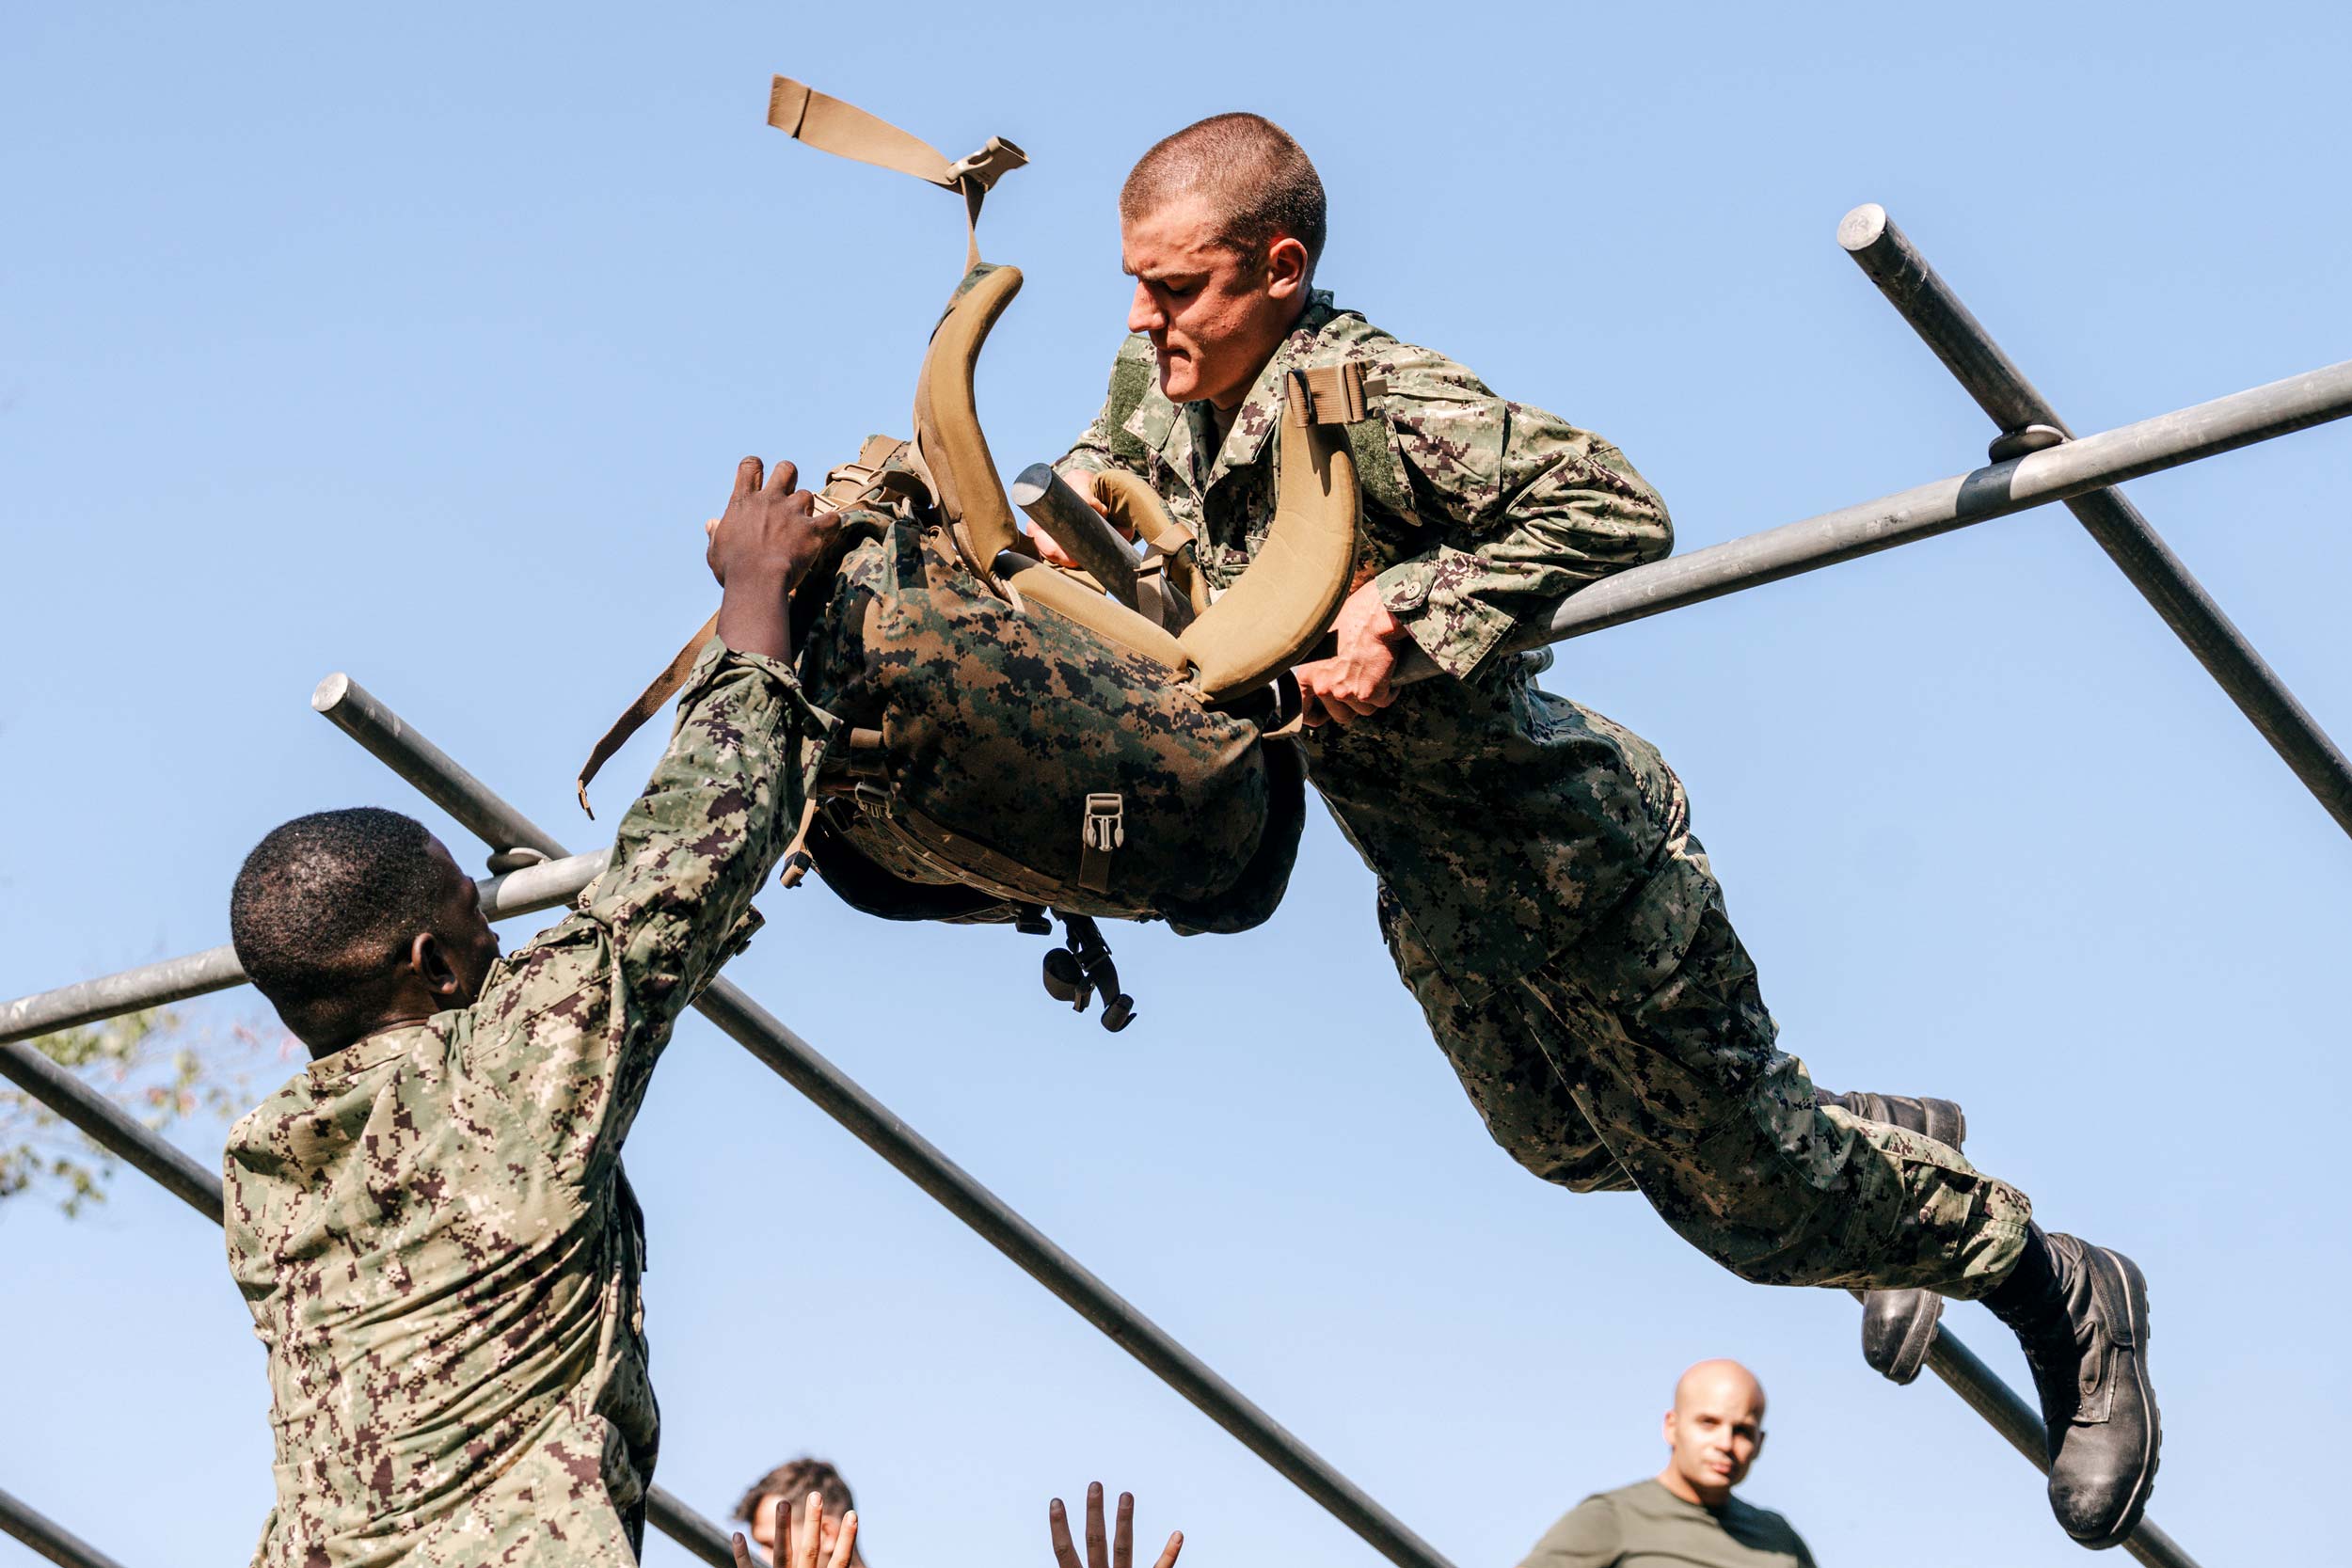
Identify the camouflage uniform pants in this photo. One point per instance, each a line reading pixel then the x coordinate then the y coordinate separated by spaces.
pixel 1645 1060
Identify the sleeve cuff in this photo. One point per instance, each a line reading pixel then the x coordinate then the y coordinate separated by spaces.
pixel 1435 598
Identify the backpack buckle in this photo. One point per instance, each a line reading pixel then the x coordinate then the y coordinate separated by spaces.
pixel 1101 830
pixel 1105 822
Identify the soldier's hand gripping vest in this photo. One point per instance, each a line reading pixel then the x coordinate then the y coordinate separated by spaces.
pixel 1012 739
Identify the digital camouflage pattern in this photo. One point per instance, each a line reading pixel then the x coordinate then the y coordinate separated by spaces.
pixel 432 1227
pixel 1541 892
pixel 996 724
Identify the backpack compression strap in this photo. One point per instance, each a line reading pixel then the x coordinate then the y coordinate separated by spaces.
pixel 851 483
pixel 846 130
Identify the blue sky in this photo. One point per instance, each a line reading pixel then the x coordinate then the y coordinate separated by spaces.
pixel 419 343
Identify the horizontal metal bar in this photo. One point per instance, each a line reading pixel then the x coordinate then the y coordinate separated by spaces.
pixel 2094 462
pixel 1889 257
pixel 908 1151
pixel 131 990
pixel 49 1538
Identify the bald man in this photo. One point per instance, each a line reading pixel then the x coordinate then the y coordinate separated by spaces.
pixel 1686 1512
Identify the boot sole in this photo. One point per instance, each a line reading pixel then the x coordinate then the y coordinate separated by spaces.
pixel 1948 1124
pixel 2136 1295
pixel 1912 1354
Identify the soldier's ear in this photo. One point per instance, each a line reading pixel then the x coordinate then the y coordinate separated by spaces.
pixel 430 962
pixel 1286 266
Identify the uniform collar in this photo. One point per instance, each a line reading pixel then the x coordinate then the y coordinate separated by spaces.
pixel 1179 436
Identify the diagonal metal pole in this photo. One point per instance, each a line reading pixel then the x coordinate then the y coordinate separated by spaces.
pixel 1887 257
pixel 358 714
pixel 2005 1411
pixel 49 1538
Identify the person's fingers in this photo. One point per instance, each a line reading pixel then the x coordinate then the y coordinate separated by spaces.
pixel 746 476
pixel 1082 480
pixel 784 479
pixel 742 1550
pixel 1049 548
pixel 1098 1548
pixel 811 1534
pixel 1065 1552
pixel 845 1544
pixel 1168 1554
pixel 1123 1532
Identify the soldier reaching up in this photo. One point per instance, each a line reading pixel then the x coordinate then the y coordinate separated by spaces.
pixel 430 1223
pixel 1540 889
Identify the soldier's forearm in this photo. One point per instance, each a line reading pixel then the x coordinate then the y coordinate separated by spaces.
pixel 711 823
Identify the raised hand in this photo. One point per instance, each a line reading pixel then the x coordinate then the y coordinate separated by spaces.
pixel 1119 1551
pixel 799 1540
pixel 771 534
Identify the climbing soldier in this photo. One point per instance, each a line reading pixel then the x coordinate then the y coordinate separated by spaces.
pixel 430 1223
pixel 1541 892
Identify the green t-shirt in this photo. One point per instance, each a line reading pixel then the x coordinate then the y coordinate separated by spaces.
pixel 1645 1526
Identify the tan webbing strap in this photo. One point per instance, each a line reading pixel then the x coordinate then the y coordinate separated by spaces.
pixel 649 702
pixel 1282 604
pixel 1131 503
pixel 846 130
pixel 846 485
pixel 796 861
pixel 1338 394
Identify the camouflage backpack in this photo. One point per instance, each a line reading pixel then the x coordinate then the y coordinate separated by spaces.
pixel 1014 739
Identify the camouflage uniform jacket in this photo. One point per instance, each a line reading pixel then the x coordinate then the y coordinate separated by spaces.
pixel 432 1227
pixel 1504 821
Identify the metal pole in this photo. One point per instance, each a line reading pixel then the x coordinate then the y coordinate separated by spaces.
pixel 690 1529
pixel 1887 255
pixel 1981 1389
pixel 513 892
pixel 2092 462
pixel 113 1129
pixel 465 798
pixel 49 1538
pixel 1092 543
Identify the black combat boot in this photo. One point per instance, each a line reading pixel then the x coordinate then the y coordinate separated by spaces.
pixel 2081 1312
pixel 1897 1326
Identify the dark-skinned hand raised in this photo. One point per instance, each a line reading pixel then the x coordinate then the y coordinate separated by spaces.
pixel 770 537
pixel 1118 1550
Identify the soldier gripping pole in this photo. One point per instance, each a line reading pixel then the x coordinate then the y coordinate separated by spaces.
pixel 353 710
pixel 1887 257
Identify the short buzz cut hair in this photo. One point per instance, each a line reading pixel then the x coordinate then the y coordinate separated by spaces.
pixel 323 904
pixel 1256 179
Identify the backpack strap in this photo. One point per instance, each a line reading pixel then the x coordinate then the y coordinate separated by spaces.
pixel 879 470
pixel 1282 604
pixel 846 131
